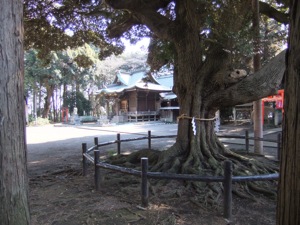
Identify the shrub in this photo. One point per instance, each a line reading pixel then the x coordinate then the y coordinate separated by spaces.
pixel 39 122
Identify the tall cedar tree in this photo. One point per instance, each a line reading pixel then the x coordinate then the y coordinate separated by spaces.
pixel 14 209
pixel 288 206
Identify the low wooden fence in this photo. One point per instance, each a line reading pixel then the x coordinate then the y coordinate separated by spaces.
pixel 247 139
pixel 149 137
pixel 227 179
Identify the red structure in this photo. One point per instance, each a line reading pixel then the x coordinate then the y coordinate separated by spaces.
pixel 278 99
pixel 64 114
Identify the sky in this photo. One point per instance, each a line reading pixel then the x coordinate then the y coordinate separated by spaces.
pixel 141 45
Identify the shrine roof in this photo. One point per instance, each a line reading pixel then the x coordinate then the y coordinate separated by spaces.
pixel 135 80
pixel 164 79
pixel 130 78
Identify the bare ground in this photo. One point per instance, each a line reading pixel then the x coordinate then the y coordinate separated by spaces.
pixel 60 195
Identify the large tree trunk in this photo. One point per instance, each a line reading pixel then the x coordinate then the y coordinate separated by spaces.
pixel 14 208
pixel 197 149
pixel 288 208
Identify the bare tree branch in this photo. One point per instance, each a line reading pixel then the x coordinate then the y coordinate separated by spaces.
pixel 116 30
pixel 136 5
pixel 143 12
pixel 269 11
pixel 261 84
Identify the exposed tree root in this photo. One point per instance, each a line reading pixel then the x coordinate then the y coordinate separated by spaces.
pixel 204 163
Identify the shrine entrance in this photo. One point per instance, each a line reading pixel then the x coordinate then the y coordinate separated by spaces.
pixel 278 100
pixel 65 114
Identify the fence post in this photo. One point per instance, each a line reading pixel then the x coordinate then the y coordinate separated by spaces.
pixel 96 142
pixel 84 161
pixel 227 189
pixel 149 139
pixel 119 143
pixel 247 140
pixel 144 185
pixel 278 145
pixel 97 169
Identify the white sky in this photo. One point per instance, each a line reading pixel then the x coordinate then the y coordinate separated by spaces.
pixel 141 45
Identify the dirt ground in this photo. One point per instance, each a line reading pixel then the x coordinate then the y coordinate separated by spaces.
pixel 60 195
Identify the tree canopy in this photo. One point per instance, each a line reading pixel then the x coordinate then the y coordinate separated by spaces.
pixel 72 23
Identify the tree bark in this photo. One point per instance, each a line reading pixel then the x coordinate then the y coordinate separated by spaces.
pixel 14 209
pixel 197 148
pixel 39 110
pixel 34 102
pixel 261 84
pixel 288 206
pixel 64 94
pixel 50 90
pixel 54 102
pixel 257 107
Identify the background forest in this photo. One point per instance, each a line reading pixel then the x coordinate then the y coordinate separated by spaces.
pixel 70 78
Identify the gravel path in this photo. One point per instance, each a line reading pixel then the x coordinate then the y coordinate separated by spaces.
pixel 52 146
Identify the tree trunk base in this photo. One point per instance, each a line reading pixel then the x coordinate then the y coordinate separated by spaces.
pixel 174 160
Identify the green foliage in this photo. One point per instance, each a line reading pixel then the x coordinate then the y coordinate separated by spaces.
pixel 38 122
pixel 83 61
pixel 107 69
pixel 88 119
pixel 161 53
pixel 77 99
pixel 55 26
pixel 111 153
pixel 34 70
pixel 77 68
pixel 70 24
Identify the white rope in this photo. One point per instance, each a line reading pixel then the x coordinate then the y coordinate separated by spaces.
pixel 183 116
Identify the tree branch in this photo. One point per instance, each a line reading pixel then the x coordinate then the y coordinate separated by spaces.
pixel 136 5
pixel 117 29
pixel 142 12
pixel 261 84
pixel 269 11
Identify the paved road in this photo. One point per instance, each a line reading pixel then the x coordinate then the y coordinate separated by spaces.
pixel 56 144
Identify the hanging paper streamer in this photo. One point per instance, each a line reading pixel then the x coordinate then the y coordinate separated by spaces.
pixel 194 125
pixel 217 122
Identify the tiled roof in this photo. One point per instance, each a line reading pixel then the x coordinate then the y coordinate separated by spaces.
pixel 166 80
pixel 168 96
pixel 128 81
